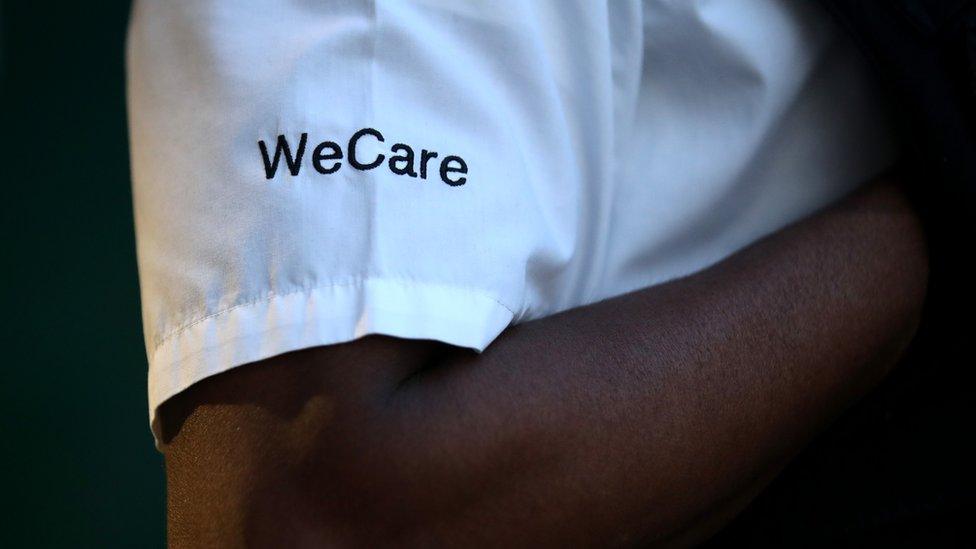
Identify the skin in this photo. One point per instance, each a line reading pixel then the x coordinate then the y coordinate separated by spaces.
pixel 649 419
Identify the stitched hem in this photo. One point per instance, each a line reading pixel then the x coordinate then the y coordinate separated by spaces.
pixel 358 281
pixel 327 315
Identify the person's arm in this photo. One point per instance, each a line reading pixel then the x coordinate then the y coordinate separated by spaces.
pixel 640 419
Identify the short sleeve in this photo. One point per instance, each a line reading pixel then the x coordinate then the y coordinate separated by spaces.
pixel 306 173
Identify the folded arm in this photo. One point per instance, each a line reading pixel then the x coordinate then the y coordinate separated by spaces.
pixel 649 417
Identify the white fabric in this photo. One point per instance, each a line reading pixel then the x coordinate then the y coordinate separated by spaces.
pixel 608 146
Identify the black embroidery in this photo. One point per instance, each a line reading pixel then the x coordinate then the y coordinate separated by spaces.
pixel 401 161
pixel 354 140
pixel 318 156
pixel 446 169
pixel 406 158
pixel 425 156
pixel 294 164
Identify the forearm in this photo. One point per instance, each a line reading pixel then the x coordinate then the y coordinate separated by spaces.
pixel 666 400
pixel 620 421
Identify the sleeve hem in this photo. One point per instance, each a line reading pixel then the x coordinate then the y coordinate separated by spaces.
pixel 321 316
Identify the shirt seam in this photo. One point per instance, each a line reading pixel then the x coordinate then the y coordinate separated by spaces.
pixel 358 281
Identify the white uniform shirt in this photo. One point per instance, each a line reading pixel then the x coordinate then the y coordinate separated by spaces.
pixel 455 166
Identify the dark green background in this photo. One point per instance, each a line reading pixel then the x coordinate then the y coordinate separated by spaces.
pixel 79 461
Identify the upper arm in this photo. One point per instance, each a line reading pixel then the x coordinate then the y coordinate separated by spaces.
pixel 246 448
pixel 298 182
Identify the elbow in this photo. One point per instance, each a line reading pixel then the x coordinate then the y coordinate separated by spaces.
pixel 293 451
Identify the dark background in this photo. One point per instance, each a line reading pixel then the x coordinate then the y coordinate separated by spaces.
pixel 79 463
